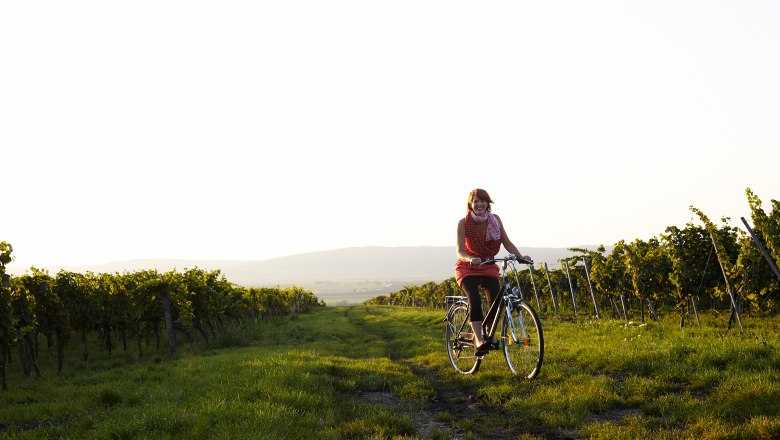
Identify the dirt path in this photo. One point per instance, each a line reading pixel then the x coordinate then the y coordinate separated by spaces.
pixel 452 401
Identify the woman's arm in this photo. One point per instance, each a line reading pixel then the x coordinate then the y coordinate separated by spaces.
pixel 508 245
pixel 461 245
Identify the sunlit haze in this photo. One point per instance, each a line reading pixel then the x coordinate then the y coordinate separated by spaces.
pixel 247 130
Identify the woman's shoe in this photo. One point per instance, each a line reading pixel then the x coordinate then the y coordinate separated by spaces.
pixel 481 349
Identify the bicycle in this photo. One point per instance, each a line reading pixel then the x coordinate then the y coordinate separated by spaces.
pixel 522 340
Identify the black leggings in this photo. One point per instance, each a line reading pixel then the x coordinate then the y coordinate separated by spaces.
pixel 470 286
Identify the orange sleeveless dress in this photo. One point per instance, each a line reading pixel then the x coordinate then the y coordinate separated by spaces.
pixel 478 246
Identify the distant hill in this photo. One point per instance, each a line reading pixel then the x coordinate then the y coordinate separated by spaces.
pixel 349 275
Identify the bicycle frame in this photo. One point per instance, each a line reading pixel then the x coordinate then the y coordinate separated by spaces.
pixel 522 340
pixel 502 303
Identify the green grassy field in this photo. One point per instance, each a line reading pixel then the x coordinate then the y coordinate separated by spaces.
pixel 382 372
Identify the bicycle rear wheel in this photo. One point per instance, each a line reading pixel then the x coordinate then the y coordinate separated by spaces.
pixel 522 340
pixel 460 346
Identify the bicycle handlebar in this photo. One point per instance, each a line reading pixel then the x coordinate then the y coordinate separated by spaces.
pixel 509 257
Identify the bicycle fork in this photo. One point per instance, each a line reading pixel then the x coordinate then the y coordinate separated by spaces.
pixel 513 329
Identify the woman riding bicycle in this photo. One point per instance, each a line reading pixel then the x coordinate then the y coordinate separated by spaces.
pixel 480 236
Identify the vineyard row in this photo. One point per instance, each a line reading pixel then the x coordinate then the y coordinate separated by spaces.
pixel 676 270
pixel 136 306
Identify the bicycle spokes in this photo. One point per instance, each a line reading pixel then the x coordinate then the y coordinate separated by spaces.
pixel 523 328
pixel 516 322
pixel 460 346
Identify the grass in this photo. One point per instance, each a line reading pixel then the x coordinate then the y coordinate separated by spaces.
pixel 382 373
pixel 302 376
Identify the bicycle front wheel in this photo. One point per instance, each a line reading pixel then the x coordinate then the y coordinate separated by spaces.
pixel 460 346
pixel 522 340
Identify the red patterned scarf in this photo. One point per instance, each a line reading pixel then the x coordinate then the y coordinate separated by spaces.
pixel 493 228
pixel 483 246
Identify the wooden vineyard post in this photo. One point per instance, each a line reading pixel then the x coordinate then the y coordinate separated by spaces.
pixel 625 306
pixel 533 284
pixel 762 248
pixel 552 291
pixel 166 300
pixel 651 305
pixel 5 282
pixel 3 385
pixel 615 310
pixel 571 286
pixel 734 308
pixel 590 285
pixel 695 311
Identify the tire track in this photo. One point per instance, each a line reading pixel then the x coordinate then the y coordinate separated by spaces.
pixel 452 401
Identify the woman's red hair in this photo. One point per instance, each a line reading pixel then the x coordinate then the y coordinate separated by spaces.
pixel 480 194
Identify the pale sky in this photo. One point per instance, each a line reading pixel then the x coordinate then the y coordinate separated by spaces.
pixel 251 130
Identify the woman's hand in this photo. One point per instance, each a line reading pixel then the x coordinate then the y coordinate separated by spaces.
pixel 476 261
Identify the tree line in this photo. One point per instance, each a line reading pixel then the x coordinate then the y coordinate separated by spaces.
pixel 701 265
pixel 126 308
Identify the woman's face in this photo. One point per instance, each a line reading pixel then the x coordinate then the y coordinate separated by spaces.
pixel 478 205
